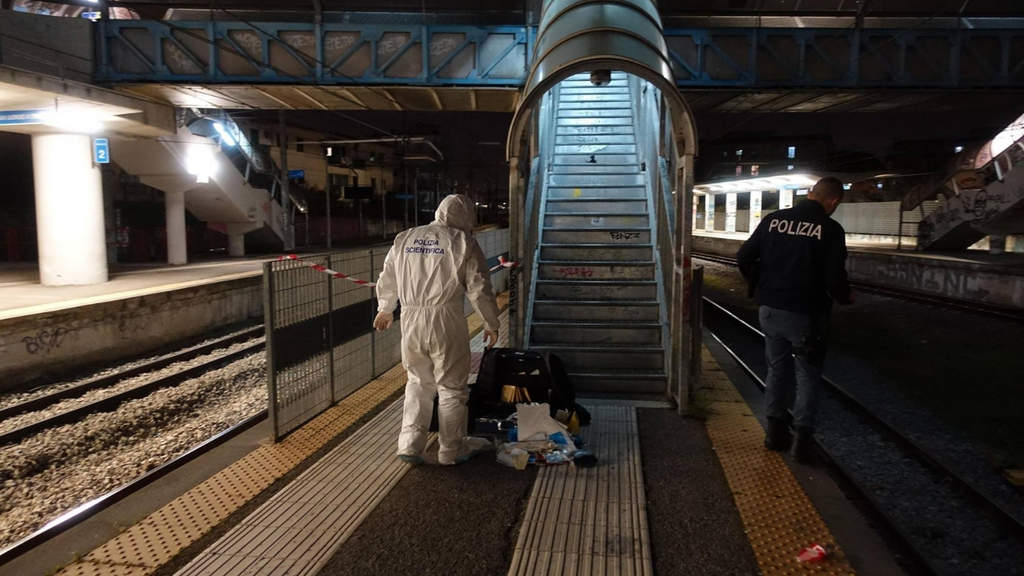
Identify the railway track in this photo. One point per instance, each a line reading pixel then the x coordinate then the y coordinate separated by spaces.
pixel 84 511
pixel 252 342
pixel 113 400
pixel 970 521
pixel 974 307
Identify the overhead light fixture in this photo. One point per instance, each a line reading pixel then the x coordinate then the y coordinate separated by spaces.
pixel 85 121
pixel 200 163
pixel 225 137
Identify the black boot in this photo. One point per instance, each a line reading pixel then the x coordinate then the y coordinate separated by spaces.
pixel 777 436
pixel 802 451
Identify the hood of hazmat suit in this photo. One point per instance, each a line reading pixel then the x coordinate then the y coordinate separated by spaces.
pixel 430 270
pixel 456 211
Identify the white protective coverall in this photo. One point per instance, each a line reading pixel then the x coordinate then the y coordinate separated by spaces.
pixel 429 269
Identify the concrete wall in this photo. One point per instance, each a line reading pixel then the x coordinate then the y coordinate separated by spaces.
pixel 949 277
pixel 61 47
pixel 53 342
pixel 957 279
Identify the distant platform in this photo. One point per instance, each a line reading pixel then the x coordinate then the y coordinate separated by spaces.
pixel 971 276
pixel 21 294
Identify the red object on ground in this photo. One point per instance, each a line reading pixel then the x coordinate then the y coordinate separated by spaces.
pixel 812 554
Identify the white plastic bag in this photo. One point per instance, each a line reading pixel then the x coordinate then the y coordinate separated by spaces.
pixel 535 421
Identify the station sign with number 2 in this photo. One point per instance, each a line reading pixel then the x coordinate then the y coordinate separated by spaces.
pixel 101 151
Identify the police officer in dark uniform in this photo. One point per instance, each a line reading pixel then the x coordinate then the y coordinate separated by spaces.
pixel 795 264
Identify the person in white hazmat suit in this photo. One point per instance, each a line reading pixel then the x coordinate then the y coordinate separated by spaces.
pixel 429 269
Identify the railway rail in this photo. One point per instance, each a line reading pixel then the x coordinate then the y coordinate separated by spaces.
pixel 84 511
pixel 961 498
pixel 252 341
pixel 113 400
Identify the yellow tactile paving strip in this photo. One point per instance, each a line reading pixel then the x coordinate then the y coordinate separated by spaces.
pixel 151 543
pixel 777 516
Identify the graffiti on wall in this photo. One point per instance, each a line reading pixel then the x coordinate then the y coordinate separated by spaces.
pixel 957 283
pixel 46 340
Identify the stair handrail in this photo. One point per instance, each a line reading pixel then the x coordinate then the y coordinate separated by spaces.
pixel 230 137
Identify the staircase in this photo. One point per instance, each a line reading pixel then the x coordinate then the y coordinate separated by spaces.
pixel 984 195
pixel 596 300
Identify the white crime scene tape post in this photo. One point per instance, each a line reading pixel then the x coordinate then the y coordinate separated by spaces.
pixel 502 263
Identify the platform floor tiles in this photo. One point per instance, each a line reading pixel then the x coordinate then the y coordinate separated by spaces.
pixel 148 545
pixel 777 515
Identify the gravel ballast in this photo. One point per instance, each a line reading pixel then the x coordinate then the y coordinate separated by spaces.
pixel 61 468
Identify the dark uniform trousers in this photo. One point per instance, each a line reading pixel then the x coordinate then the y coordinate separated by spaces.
pixel 795 351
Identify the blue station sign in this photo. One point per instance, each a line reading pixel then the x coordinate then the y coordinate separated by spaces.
pixel 18 117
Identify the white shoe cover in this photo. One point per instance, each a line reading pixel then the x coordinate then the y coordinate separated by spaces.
pixel 471 446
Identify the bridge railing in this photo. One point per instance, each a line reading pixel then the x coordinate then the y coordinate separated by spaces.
pixel 451 55
pixel 306 53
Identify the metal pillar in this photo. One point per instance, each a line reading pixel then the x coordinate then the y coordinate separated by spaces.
pixel 327 200
pixel 286 198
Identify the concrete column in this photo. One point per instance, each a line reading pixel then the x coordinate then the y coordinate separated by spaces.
pixel 755 209
pixel 236 244
pixel 709 212
pixel 177 238
pixel 69 210
pixel 785 198
pixel 996 244
pixel 730 212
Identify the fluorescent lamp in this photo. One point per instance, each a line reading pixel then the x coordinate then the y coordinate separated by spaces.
pixel 225 137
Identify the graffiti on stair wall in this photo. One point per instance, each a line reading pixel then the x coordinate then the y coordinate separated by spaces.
pixel 626 236
pixel 974 206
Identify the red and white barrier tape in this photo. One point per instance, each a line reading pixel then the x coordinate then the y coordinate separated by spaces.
pixel 327 270
pixel 502 263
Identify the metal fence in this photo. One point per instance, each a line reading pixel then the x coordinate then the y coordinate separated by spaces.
pixel 320 342
pixel 321 345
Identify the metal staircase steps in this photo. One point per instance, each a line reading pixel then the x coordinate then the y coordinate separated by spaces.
pixel 595 299
pixel 608 290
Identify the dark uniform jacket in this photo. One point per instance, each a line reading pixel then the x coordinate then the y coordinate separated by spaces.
pixel 796 260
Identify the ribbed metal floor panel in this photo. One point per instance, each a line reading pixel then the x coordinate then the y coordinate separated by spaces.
pixel 300 527
pixel 590 520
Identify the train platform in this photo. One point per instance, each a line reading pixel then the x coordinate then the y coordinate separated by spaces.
pixel 21 294
pixel 47 331
pixel 973 277
pixel 669 495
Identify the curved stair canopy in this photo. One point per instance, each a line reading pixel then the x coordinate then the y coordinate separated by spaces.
pixel 603 280
pixel 583 35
